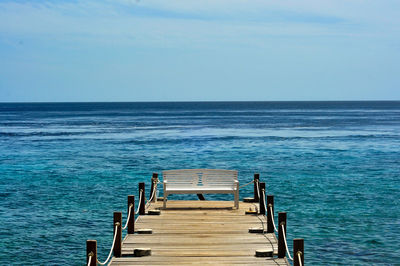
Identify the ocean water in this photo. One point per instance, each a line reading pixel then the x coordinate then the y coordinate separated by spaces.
pixel 334 167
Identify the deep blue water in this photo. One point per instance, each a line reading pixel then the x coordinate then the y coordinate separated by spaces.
pixel 334 167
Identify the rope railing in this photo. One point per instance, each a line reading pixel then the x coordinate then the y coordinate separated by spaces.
pixel 258 188
pixel 284 238
pixel 266 211
pixel 275 229
pixel 272 216
pixel 148 203
pixel 272 212
pixel 112 247
pixel 116 246
pixel 129 216
pixel 90 259
pixel 255 206
pixel 263 227
pixel 299 257
pixel 140 201
pixel 252 181
pixel 265 206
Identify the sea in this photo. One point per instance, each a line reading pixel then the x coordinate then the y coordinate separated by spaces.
pixel 333 167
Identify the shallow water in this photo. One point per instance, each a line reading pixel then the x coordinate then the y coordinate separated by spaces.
pixel 333 167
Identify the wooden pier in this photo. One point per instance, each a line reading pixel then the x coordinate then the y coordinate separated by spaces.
pixel 200 232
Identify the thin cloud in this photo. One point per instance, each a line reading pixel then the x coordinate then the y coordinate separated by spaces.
pixel 150 22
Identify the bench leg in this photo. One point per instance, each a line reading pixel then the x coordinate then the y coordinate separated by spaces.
pixel 165 201
pixel 237 195
pixel 237 199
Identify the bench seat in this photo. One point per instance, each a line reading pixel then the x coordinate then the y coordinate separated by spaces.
pixel 208 190
pixel 201 181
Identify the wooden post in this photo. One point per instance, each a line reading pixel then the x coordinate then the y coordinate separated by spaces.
pixel 142 201
pixel 131 223
pixel 270 203
pixel 91 249
pixel 281 241
pixel 118 239
pixel 261 199
pixel 154 180
pixel 256 180
pixel 298 248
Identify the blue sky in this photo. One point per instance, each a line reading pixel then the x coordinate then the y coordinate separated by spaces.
pixel 193 50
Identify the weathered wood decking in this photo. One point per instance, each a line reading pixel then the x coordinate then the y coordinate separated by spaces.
pixel 199 232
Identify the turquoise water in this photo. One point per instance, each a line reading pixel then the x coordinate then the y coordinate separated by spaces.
pixel 333 167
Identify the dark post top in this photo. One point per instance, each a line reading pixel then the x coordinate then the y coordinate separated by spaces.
pixel 118 239
pixel 256 179
pixel 298 248
pixel 270 203
pixel 262 198
pixel 131 223
pixel 281 241
pixel 91 249
pixel 142 201
pixel 154 180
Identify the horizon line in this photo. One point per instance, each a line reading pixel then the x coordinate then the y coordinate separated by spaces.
pixel 197 101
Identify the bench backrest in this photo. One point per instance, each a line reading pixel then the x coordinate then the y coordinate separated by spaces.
pixel 200 178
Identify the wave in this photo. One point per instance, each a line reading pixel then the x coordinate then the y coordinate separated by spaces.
pixel 172 132
pixel 175 140
pixel 41 134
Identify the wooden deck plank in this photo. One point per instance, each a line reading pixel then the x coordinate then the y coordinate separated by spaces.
pixel 199 232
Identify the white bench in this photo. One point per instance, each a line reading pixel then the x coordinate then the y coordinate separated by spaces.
pixel 201 181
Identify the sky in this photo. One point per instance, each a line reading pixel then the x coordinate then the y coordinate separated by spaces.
pixel 199 50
